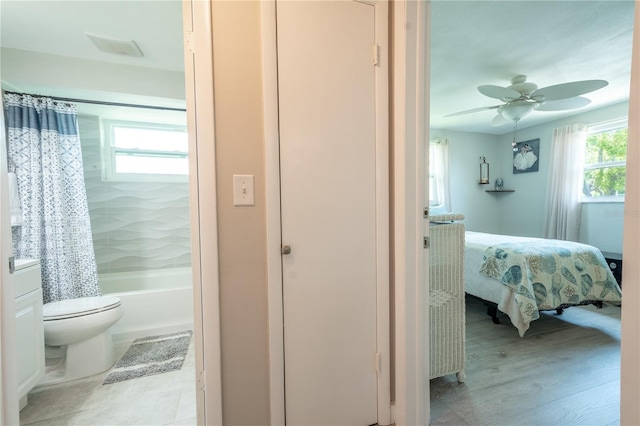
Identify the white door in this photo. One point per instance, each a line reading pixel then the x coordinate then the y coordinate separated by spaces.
pixel 327 112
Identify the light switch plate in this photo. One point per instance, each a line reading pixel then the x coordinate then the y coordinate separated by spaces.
pixel 243 194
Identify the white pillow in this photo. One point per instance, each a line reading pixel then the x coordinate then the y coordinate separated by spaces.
pixel 437 210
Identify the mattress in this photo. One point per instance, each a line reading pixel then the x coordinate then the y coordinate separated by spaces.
pixel 524 275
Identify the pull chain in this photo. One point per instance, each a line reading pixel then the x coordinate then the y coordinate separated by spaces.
pixel 515 137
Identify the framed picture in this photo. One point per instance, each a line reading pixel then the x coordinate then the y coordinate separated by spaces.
pixel 526 156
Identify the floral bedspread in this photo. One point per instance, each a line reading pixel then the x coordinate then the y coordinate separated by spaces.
pixel 550 273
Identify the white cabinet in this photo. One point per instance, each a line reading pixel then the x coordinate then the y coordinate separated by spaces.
pixel 446 296
pixel 27 286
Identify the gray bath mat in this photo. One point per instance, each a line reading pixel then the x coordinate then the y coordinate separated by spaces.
pixel 151 355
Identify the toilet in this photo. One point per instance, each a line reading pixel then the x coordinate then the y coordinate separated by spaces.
pixel 77 337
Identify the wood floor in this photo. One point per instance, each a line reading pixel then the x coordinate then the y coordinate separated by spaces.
pixel 564 371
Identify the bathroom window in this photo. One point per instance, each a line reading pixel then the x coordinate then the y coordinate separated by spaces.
pixel 145 152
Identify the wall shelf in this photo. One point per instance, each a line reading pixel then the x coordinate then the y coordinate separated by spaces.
pixel 500 190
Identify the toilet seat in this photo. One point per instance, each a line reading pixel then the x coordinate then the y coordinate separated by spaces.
pixel 72 308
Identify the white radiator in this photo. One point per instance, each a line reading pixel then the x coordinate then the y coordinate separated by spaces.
pixel 446 291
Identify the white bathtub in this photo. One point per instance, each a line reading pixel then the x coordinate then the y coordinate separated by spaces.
pixel 155 301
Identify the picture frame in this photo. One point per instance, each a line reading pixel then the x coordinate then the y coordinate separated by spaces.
pixel 526 156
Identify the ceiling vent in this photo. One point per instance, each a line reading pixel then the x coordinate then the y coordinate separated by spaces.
pixel 115 46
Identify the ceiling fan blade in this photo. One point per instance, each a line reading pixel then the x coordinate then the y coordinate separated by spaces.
pixel 499 120
pixel 469 111
pixel 568 90
pixel 497 92
pixel 562 104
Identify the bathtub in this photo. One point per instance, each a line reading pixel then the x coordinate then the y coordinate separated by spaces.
pixel 155 301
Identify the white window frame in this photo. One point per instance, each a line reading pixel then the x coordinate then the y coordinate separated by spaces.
pixel 109 152
pixel 609 126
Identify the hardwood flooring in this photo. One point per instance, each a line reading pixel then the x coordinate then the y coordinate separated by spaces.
pixel 564 371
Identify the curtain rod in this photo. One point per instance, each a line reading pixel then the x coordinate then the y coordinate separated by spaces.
pixel 90 101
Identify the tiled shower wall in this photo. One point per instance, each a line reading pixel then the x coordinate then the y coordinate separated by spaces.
pixel 136 225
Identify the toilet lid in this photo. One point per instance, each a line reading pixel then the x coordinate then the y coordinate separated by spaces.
pixel 78 307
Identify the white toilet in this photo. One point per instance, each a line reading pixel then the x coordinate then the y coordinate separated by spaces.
pixel 77 337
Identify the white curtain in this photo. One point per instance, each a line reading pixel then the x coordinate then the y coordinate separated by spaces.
pixel 439 197
pixel 44 144
pixel 564 195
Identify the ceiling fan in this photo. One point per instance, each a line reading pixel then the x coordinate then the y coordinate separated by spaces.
pixel 523 97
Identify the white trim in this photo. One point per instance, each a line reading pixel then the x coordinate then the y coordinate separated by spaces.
pixel 203 209
pixel 411 94
pixel 421 195
pixel 606 199
pixel 272 166
pixel 605 165
pixel 274 230
pixel 109 151
pixel 630 346
pixel 608 126
pixel 9 408
pixel 382 211
pixel 400 413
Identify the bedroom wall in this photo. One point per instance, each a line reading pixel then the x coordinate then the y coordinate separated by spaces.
pixel 467 195
pixel 522 213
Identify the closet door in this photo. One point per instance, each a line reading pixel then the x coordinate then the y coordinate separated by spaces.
pixel 327 113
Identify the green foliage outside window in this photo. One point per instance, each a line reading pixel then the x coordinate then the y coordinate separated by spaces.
pixel 605 170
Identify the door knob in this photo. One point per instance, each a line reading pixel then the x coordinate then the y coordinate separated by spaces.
pixel 286 249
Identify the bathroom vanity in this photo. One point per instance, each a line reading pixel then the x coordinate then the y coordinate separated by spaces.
pixel 27 287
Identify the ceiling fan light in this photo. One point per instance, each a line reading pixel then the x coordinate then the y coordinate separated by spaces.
pixel 516 111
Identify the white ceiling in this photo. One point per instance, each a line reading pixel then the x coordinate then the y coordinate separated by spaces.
pixel 473 43
pixel 551 42
pixel 58 27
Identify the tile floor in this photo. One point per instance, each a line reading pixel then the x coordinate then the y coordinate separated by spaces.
pixel 162 399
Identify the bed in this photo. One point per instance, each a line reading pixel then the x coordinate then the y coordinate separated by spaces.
pixel 524 276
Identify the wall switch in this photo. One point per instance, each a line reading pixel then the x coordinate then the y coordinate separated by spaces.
pixel 243 190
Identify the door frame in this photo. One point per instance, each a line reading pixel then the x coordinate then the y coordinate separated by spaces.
pixel 9 404
pixel 274 229
pixel 198 54
pixel 272 207
pixel 410 131
pixel 630 344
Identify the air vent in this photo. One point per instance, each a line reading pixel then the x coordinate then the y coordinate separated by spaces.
pixel 115 46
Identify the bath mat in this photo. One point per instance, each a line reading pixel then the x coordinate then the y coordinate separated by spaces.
pixel 151 355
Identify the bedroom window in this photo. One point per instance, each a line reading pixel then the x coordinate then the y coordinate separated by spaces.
pixel 144 152
pixel 438 175
pixel 606 162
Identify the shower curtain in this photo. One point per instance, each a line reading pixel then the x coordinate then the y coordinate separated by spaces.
pixel 43 143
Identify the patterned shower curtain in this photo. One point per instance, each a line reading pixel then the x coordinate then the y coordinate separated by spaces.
pixel 44 144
